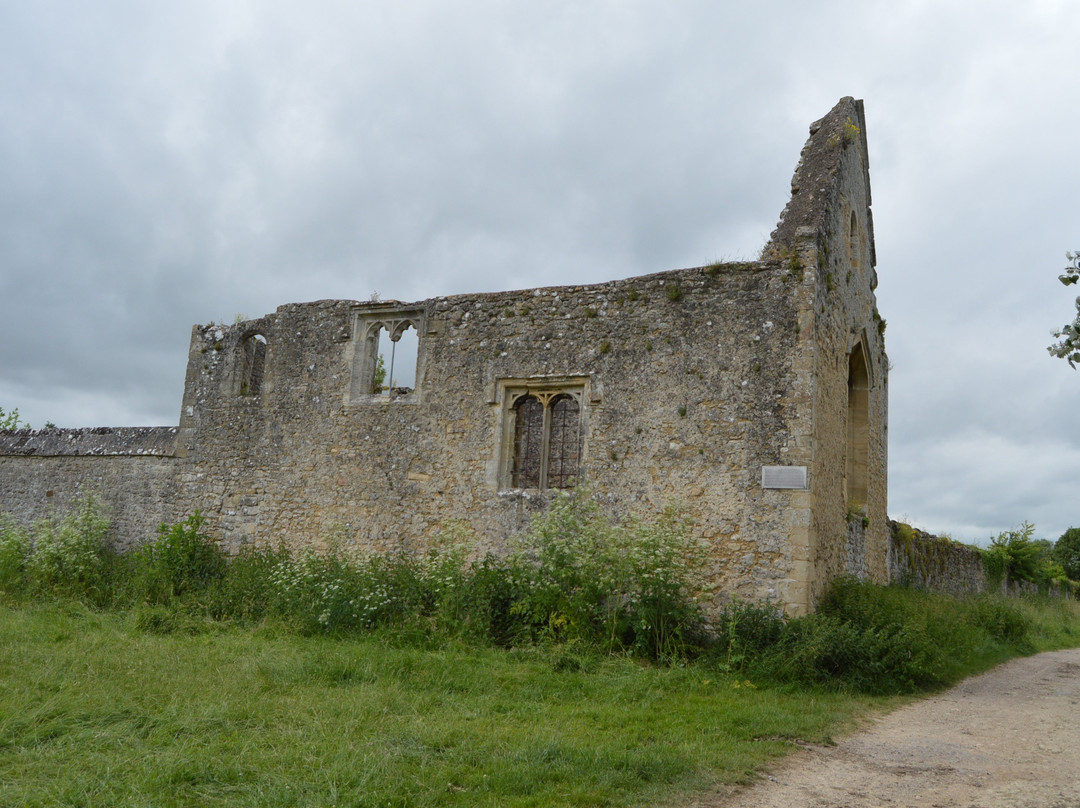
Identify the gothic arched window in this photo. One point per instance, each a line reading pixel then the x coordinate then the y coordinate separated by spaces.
pixel 546 439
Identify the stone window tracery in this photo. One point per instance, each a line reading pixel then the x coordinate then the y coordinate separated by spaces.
pixel 546 436
pixel 385 356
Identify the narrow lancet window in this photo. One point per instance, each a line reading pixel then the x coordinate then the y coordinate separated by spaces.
pixel 858 428
pixel 252 365
pixel 528 442
pixel 565 440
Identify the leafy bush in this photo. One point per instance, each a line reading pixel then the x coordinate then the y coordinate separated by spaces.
pixel 892 639
pixel 582 578
pixel 577 580
pixel 14 551
pixel 181 561
pixel 11 420
pixel 1004 620
pixel 1016 555
pixel 745 631
pixel 71 556
pixel 1067 553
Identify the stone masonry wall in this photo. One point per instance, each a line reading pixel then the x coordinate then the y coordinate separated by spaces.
pixel 689 384
pixel 688 391
pixel 826 232
pixel 930 562
pixel 131 471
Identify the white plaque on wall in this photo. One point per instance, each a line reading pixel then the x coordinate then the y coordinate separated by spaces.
pixel 783 477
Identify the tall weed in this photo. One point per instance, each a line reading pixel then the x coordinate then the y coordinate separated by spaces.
pixel 71 556
pixel 181 561
pixel 14 551
pixel 583 578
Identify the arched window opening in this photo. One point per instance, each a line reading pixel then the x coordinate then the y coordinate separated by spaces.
pixel 547 440
pixel 528 442
pixel 252 365
pixel 853 240
pixel 565 442
pixel 395 364
pixel 858 428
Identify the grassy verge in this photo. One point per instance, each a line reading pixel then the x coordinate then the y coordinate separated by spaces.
pixel 96 711
pixel 580 670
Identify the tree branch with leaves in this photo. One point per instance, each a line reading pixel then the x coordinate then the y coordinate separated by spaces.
pixel 1068 346
pixel 11 420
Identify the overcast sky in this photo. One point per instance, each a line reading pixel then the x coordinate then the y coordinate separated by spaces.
pixel 166 164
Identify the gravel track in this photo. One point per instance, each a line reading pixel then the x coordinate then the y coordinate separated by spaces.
pixel 1010 737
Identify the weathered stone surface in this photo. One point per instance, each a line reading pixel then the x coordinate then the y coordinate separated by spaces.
pixel 933 562
pixel 686 384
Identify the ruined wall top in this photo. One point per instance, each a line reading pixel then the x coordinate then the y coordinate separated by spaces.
pixel 152 441
pixel 814 186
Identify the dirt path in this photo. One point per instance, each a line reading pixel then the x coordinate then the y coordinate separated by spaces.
pixel 1010 737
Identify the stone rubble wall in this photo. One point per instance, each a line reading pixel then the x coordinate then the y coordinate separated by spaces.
pixel 826 231
pixel 155 441
pixel 689 392
pixel 689 381
pixel 934 563
pixel 138 492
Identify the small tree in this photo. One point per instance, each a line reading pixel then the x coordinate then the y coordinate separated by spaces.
pixel 378 381
pixel 1017 555
pixel 1067 553
pixel 1068 346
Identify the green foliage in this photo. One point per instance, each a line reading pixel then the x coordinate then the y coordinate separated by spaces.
pixel 1016 555
pixel 1068 346
pixel 674 292
pixel 876 639
pixel 98 711
pixel 378 381
pixel 746 631
pixel 583 579
pixel 1067 553
pixel 10 420
pixel 181 561
pixel 70 556
pixel 14 551
pixel 848 134
pixel 577 581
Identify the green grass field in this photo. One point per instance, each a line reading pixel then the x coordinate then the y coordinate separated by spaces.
pixel 581 672
pixel 95 712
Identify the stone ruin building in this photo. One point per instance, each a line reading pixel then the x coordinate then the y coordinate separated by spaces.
pixel 752 394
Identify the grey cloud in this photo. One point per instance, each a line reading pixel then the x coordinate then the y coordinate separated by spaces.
pixel 161 167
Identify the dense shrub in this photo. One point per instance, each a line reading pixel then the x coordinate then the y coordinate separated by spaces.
pixel 892 639
pixel 181 561
pixel 745 631
pixel 14 551
pixel 582 578
pixel 576 579
pixel 70 555
pixel 1015 555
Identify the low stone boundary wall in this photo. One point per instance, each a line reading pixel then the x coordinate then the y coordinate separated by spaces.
pixel 938 564
pixel 150 441
pixel 934 563
pixel 131 471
